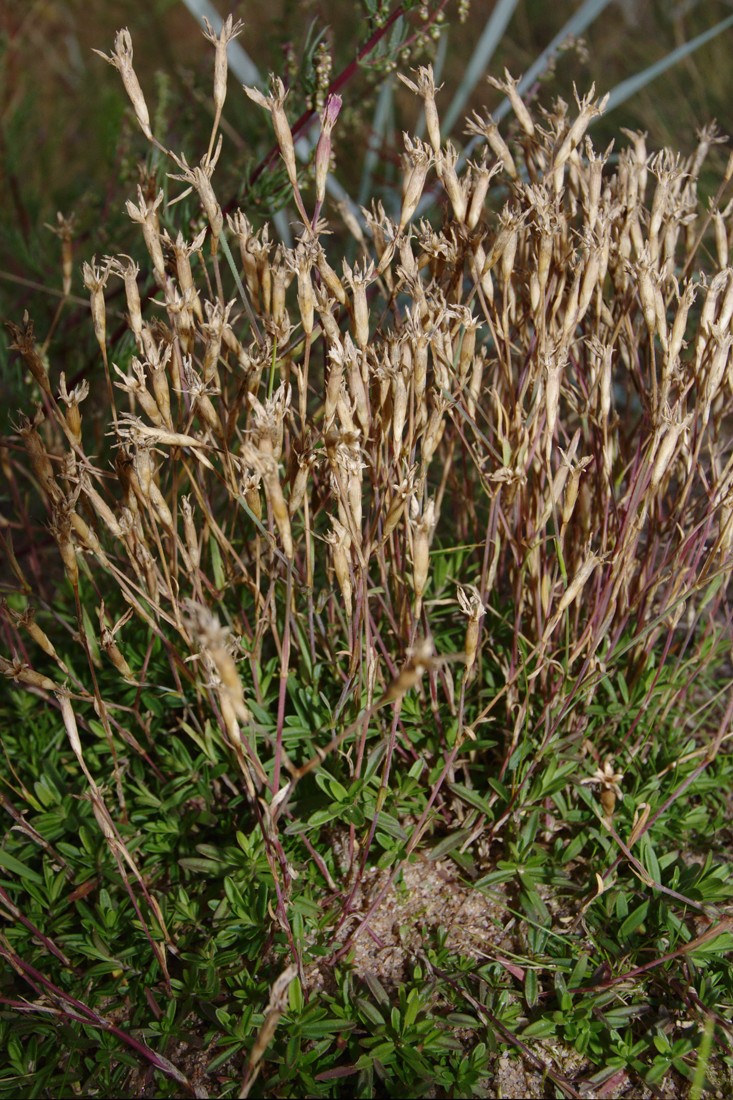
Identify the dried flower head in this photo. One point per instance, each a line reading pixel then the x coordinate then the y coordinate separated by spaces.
pixel 121 58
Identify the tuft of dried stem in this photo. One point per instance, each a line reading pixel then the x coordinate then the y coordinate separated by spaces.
pixel 537 380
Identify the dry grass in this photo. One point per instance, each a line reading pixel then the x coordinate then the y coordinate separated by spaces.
pixel 541 376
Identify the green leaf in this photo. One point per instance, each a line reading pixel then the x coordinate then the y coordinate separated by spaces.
pixel 634 921
pixel 368 1010
pixel 216 563
pixel 449 844
pixel 719 946
pixel 530 988
pixel 579 971
pixel 648 858
pixel 295 996
pixel 473 798
pixel 540 1029
pixel 338 791
pixel 10 863
pixel 498 788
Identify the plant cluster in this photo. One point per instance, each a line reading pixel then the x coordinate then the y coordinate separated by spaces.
pixel 414 543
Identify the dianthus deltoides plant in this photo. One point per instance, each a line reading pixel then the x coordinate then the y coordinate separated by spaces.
pixel 506 427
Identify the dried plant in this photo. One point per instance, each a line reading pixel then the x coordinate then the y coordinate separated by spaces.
pixel 541 373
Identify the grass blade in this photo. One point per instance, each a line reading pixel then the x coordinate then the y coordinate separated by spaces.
pixel 485 49
pixel 634 84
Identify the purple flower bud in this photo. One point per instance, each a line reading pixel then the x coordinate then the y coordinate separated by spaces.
pixel 323 149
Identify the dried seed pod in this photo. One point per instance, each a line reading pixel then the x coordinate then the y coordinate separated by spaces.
pixel 109 644
pixel 121 59
pixel 182 252
pixel 570 310
pixel 160 505
pixel 128 272
pixel 482 177
pixel 72 400
pixel 251 490
pixel 264 464
pixel 475 381
pixel 325 305
pixel 399 409
pixel 487 128
pixel 104 512
pixel 358 279
pixel 553 369
pixel 216 644
pixel 280 513
pixel 470 602
pixel 40 461
pixel 396 507
pixel 685 299
pixel 14 670
pixel 86 536
pixel 349 460
pixel 69 719
pixel 455 190
pixel 420 658
pixel 418 158
pixel 146 564
pixel 27 621
pixel 434 430
pixel 253 249
pixel 590 281
pixel 666 439
pixel 330 278
pixel 508 256
pixel 145 214
pixel 509 87
pixel 302 264
pixel 61 530
pixel 425 88
pixel 300 482
pixel 24 342
pixel 469 324
pixel 716 369
pixel 281 278
pixel 64 231
pixel 134 384
pixel 355 383
pixel 159 373
pixel 110 647
pixel 721 238
pixel 571 593
pixel 544 257
pixel 334 381
pixel 648 299
pixel 193 547
pixel 229 31
pixel 142 465
pixel 340 542
pixel 571 492
pixel 203 406
pixel 217 317
pixel 274 103
pixel 588 110
pixel 199 178
pixel 422 531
